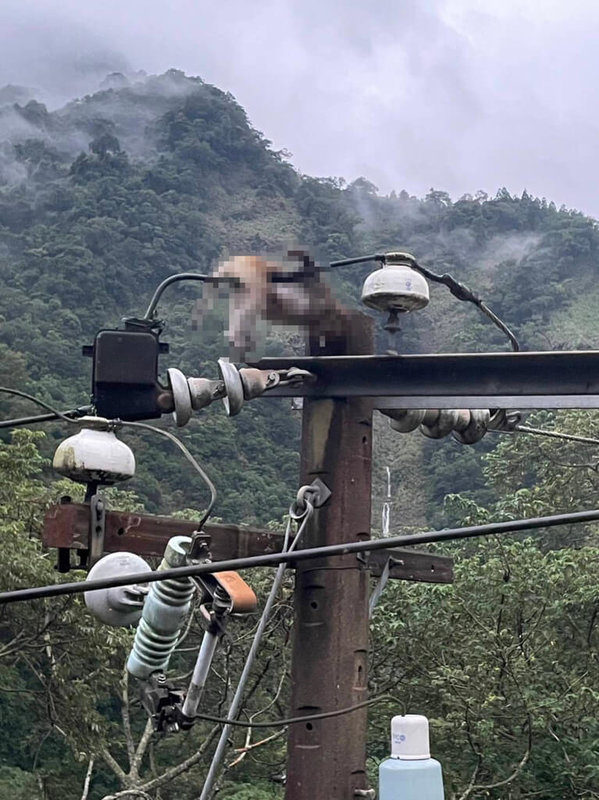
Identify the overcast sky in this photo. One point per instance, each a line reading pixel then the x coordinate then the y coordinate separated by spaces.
pixel 457 94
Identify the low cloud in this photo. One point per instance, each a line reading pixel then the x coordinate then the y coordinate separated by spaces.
pixel 456 94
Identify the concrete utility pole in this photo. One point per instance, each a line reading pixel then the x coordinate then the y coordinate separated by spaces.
pixel 327 758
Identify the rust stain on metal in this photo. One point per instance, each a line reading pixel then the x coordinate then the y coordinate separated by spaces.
pixel 67 526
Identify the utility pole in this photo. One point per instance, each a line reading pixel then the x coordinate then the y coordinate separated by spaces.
pixel 327 758
pixel 341 382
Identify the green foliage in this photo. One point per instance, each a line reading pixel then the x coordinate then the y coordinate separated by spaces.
pixel 46 649
pixel 167 175
pixel 504 664
pixel 253 791
pixel 18 785
pixel 504 661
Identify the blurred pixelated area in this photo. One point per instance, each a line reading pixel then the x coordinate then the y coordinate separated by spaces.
pixel 287 289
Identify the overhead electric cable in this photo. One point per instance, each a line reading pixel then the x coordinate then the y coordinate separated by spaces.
pixel 183 276
pixel 280 723
pixel 75 413
pixel 56 414
pixel 501 325
pixel 117 423
pixel 272 559
pixel 458 289
pixel 188 456
pixel 464 293
pixel 569 437
pixel 348 262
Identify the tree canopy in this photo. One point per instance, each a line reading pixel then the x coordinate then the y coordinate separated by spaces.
pixel 99 202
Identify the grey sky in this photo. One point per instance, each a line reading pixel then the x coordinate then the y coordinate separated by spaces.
pixel 456 94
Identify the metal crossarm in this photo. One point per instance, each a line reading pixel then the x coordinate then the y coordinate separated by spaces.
pixel 478 380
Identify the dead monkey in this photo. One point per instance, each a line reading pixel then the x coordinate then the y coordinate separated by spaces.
pixel 270 290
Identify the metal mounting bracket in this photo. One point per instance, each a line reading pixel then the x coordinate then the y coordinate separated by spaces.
pixel 319 492
pixel 561 379
pixel 97 525
pixel 379 588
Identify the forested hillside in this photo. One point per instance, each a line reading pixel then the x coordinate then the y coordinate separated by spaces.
pixel 104 198
pixel 101 200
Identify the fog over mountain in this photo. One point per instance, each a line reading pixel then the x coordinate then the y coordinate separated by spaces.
pixel 457 94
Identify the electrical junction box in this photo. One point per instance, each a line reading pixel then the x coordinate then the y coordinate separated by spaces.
pixel 125 374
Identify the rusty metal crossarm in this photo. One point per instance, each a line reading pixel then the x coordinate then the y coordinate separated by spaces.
pixel 312 554
pixel 66 526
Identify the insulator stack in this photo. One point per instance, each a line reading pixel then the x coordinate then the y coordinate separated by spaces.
pixel 164 614
pixel 467 425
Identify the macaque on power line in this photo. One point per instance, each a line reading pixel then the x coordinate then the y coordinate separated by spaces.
pixel 288 292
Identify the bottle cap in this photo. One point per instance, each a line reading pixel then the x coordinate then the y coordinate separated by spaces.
pixel 409 737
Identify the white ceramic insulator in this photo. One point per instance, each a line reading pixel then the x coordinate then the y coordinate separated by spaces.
pixel 92 456
pixel 395 287
pixel 120 606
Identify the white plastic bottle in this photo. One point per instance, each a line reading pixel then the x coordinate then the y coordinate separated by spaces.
pixel 410 773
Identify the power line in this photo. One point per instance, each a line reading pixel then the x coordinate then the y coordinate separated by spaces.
pixel 81 411
pixel 272 559
pixel 464 293
pixel 236 702
pixel 280 723
pixel 188 456
pixel 55 413
pixel 569 437
pixel 458 289
pixel 500 324
pixel 183 276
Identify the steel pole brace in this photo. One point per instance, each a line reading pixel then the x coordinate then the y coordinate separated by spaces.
pixel 96 530
pixel 560 379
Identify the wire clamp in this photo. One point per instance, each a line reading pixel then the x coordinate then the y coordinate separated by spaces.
pixel 163 703
pixel 505 419
pixel 199 550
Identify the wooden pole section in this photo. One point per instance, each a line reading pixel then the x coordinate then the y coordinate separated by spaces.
pixel 327 758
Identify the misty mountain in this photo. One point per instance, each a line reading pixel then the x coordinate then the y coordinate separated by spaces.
pixel 103 197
